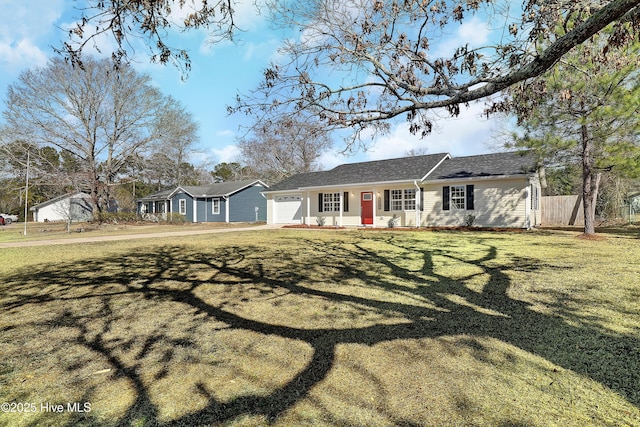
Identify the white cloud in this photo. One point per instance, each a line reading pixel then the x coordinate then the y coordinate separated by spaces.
pixel 102 45
pixel 473 31
pixel 331 159
pixel 247 14
pixel 25 25
pixel 226 154
pixel 247 17
pixel 464 135
pixel 15 56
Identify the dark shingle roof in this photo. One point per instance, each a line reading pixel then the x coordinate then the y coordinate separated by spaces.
pixel 212 190
pixel 301 180
pixel 415 168
pixel 160 195
pixel 401 169
pixel 486 165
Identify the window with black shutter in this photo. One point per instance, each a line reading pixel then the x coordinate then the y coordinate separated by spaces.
pixel 445 198
pixel 470 201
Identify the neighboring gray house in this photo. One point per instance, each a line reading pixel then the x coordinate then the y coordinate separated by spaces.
pixel 69 207
pixel 498 190
pixel 236 201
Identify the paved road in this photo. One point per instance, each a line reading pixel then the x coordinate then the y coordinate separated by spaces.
pixel 93 239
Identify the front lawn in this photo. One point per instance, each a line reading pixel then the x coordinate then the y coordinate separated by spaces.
pixel 43 231
pixel 325 328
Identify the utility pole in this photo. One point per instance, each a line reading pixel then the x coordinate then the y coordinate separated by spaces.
pixel 26 197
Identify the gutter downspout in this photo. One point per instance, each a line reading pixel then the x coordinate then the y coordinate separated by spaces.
pixel 418 206
pixel 266 212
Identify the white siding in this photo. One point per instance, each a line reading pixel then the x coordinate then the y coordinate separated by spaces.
pixel 498 203
pixel 76 207
pixel 351 218
pixel 58 211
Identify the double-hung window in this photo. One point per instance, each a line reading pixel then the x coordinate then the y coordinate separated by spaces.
pixel 331 202
pixel 403 199
pixel 215 206
pixel 458 198
pixel 183 207
pixel 396 200
pixel 410 199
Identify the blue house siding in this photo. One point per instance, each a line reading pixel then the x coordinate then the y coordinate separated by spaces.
pixel 175 204
pixel 237 202
pixel 243 205
pixel 205 210
pixel 221 217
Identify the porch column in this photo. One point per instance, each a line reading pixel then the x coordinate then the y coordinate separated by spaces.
pixel 341 205
pixel 195 209
pixel 418 206
pixel 375 207
pixel 308 207
pixel 226 208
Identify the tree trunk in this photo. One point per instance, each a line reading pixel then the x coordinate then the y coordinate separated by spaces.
pixel 94 187
pixel 589 182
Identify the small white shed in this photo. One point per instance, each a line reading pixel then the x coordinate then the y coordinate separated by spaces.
pixel 69 207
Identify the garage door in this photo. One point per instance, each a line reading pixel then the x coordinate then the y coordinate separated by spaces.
pixel 288 209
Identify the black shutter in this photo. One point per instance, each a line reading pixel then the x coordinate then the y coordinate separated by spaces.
pixel 345 201
pixel 320 200
pixel 470 206
pixel 422 199
pixel 445 198
pixel 386 200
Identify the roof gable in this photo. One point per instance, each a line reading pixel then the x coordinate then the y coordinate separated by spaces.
pixel 391 170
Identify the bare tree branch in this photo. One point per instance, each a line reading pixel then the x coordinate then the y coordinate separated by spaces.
pixel 360 63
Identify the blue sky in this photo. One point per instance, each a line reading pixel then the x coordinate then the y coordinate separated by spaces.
pixel 30 27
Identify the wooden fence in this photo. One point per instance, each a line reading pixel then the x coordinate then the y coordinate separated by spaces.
pixel 562 210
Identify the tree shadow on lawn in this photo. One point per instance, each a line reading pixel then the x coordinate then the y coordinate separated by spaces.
pixel 148 315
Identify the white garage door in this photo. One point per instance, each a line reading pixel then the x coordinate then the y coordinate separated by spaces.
pixel 288 209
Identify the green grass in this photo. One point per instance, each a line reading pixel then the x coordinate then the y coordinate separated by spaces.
pixel 294 327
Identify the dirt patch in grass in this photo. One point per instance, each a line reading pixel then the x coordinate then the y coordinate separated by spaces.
pixel 284 327
pixel 592 237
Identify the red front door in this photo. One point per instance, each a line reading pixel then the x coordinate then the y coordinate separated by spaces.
pixel 366 208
